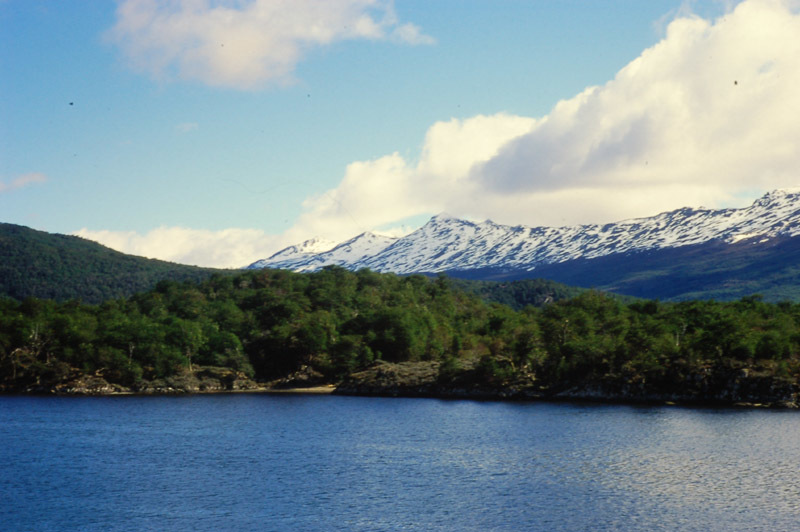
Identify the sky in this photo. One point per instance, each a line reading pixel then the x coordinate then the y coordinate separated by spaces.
pixel 217 132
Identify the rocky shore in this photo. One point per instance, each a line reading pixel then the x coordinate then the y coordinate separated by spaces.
pixel 201 380
pixel 743 387
pixel 705 387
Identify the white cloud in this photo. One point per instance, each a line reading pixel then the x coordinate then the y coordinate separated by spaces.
pixel 372 192
pixel 23 181
pixel 410 34
pixel 388 189
pixel 246 44
pixel 228 248
pixel 708 116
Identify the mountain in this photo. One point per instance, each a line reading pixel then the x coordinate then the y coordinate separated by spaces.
pixel 61 267
pixel 313 254
pixel 697 252
pixel 309 248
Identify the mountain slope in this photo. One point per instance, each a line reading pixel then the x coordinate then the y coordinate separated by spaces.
pixel 313 254
pixel 712 270
pixel 678 254
pixel 61 267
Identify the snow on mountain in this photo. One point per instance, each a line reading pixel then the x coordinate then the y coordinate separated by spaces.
pixel 300 252
pixel 448 243
pixel 303 258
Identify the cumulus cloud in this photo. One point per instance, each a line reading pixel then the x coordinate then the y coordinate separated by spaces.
pixel 228 248
pixel 707 116
pixel 22 181
pixel 246 44
pixel 708 107
pixel 371 194
pixel 378 192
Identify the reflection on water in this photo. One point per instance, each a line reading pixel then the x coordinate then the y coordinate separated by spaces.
pixel 261 462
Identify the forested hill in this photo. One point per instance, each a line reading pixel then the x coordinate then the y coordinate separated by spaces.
pixel 366 332
pixel 60 267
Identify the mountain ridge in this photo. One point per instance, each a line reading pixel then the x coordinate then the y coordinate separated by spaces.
pixel 446 243
pixel 358 248
pixel 64 267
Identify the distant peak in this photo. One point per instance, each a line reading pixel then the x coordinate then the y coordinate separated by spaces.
pixel 310 246
pixel 777 196
pixel 781 192
pixel 449 219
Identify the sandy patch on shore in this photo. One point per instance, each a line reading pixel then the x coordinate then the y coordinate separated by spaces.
pixel 328 388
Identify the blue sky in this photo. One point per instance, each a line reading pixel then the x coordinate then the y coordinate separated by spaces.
pixel 125 123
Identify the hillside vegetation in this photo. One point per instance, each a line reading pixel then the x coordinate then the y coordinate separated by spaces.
pixel 61 267
pixel 520 293
pixel 329 326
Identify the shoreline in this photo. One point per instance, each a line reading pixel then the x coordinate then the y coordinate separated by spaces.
pixel 730 389
pixel 326 389
pixel 460 395
pixel 611 400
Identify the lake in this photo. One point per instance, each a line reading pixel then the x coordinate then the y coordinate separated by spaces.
pixel 306 462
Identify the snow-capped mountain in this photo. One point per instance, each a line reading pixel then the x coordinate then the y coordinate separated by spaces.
pixel 309 247
pixel 314 254
pixel 446 243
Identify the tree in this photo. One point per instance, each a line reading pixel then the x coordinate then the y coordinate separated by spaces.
pixel 187 336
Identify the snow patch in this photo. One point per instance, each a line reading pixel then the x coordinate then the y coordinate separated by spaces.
pixel 743 236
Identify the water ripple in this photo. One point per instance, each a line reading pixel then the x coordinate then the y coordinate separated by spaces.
pixel 251 462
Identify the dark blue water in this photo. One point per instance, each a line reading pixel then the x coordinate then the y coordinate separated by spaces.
pixel 305 463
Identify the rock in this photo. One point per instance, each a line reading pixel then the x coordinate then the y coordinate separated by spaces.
pixel 89 385
pixel 423 379
pixel 305 377
pixel 387 378
pixel 204 379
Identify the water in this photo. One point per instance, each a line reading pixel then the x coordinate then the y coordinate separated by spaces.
pixel 306 463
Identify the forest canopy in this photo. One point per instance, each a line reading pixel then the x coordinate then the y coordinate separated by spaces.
pixel 268 324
